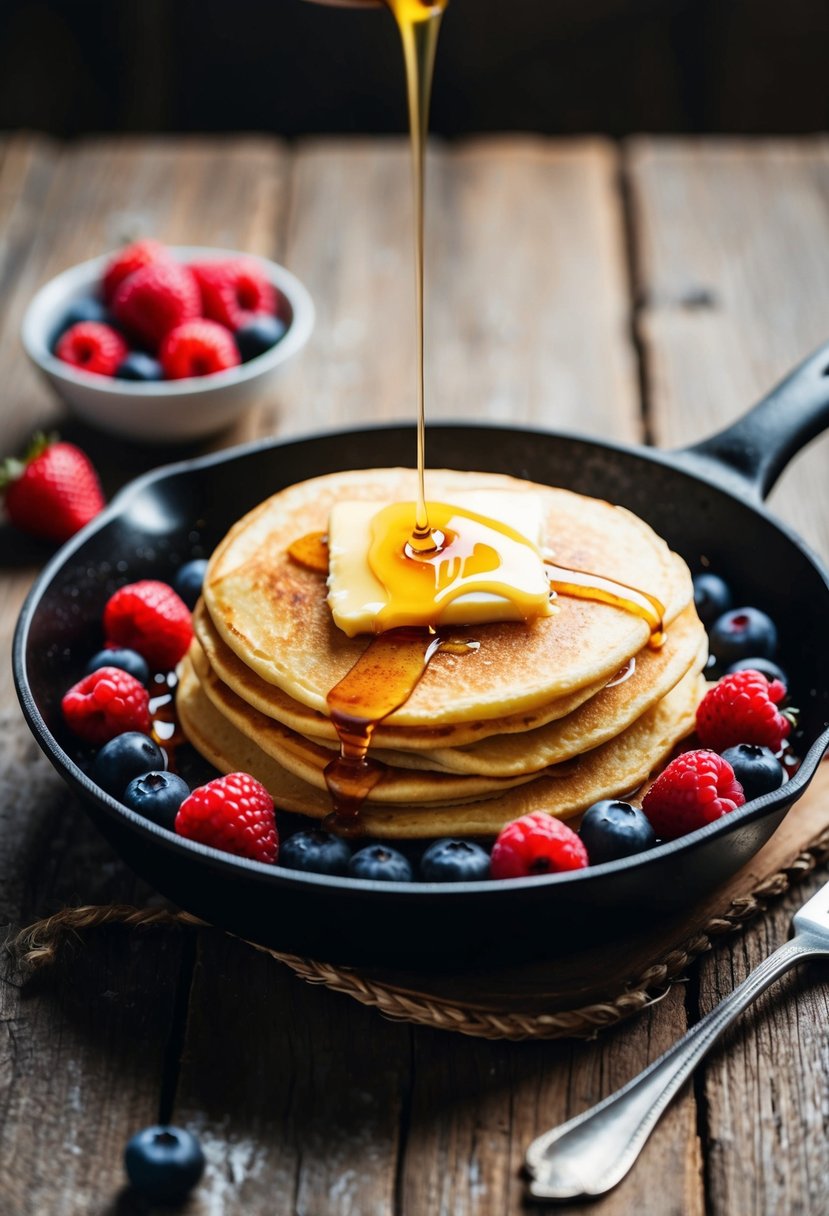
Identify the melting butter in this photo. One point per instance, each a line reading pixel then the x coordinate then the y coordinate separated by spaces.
pixel 486 568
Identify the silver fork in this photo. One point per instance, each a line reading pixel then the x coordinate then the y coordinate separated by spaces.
pixel 591 1153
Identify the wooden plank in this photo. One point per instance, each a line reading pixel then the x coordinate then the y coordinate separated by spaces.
pixel 734 289
pixel 83 1054
pixel 527 304
pixel 734 292
pixel 296 1093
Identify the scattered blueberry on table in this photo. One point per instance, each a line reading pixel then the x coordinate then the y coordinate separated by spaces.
pixel 163 1163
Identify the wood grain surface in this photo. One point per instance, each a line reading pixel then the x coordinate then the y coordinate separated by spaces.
pixel 564 279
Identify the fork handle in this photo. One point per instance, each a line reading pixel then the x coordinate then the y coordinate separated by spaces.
pixel 591 1153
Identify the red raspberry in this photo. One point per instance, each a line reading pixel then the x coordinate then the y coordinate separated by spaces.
pixel 105 704
pixel 695 789
pixel 128 260
pixel 233 813
pixel 742 708
pixel 149 617
pixel 155 299
pixel 92 347
pixel 232 292
pixel 197 348
pixel 536 844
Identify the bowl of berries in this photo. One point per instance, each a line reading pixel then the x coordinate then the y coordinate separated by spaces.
pixel 166 343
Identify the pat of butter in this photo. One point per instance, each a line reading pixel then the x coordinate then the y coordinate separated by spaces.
pixel 360 603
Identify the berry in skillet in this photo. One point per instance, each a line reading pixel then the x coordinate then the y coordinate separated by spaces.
pixel 536 844
pixel 163 1163
pixel 315 852
pixel 53 492
pixel 157 796
pixel 756 768
pixel 234 813
pixel 712 596
pixel 123 758
pixel 696 788
pixel 742 632
pixel 613 829
pixel 380 862
pixel 149 617
pixel 743 708
pixel 189 579
pixel 127 660
pixel 454 861
pixel 106 703
pixel 765 666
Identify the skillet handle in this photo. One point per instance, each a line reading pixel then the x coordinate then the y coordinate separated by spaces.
pixel 754 451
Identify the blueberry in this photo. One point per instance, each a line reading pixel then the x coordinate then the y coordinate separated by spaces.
pixel 164 1163
pixel 126 660
pixel 259 335
pixel 770 670
pixel 157 796
pixel 756 768
pixel 454 861
pixel 712 596
pixel 124 757
pixel 316 852
pixel 188 581
pixel 610 830
pixel 138 366
pixel 380 862
pixel 743 632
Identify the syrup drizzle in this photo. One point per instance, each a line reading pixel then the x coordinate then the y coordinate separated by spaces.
pixel 581 585
pixel 383 678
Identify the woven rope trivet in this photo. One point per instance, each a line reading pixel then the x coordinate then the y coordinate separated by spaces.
pixel 38 946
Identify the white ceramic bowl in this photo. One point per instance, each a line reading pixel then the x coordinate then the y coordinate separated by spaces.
pixel 162 411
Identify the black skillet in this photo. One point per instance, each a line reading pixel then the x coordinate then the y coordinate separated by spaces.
pixel 705 500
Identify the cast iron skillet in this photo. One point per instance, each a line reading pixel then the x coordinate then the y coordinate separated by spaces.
pixel 705 500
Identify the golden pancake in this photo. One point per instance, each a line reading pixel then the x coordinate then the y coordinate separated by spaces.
pixel 307 759
pixel 616 767
pixel 655 673
pixel 273 613
pixel 274 703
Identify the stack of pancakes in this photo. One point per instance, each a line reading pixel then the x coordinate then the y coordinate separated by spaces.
pixel 550 715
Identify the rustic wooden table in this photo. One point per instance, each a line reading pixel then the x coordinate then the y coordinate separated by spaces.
pixel 643 293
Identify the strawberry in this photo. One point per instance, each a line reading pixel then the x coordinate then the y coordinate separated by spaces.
pixel 154 299
pixel 128 260
pixel 149 617
pixel 53 492
pixel 92 346
pixel 105 704
pixel 742 708
pixel 234 291
pixel 197 348
pixel 233 813
pixel 696 788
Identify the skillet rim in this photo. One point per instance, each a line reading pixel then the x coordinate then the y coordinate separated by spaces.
pixel 743 491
